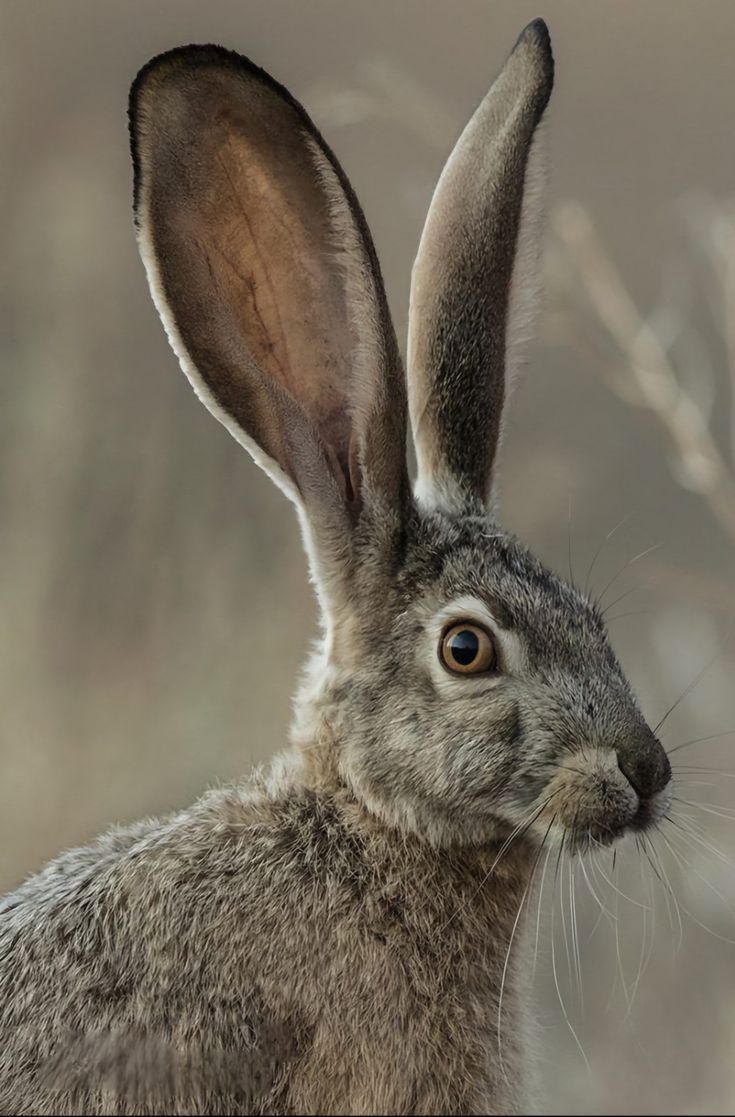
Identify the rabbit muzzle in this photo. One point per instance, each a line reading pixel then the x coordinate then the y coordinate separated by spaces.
pixel 598 794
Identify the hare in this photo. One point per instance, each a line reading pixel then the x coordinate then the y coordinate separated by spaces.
pixel 343 932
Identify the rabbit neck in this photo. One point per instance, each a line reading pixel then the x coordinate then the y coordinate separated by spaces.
pixel 338 744
pixel 437 947
pixel 450 919
pixel 502 862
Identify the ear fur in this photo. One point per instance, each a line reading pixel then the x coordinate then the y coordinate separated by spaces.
pixel 264 273
pixel 473 283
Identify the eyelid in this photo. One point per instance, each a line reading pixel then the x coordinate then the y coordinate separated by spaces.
pixel 467 608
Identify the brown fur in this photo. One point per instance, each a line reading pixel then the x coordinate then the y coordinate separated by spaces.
pixel 377 994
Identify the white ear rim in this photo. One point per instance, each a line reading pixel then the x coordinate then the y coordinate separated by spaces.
pixel 526 80
pixel 321 578
pixel 526 287
pixel 441 492
pixel 158 294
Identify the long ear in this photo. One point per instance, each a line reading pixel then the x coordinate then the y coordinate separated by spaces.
pixel 470 283
pixel 265 276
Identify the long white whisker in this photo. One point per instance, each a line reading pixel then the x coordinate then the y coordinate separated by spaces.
pixel 510 945
pixel 561 999
pixel 701 740
pixel 603 910
pixel 615 888
pixel 694 836
pixel 538 912
pixel 636 558
pixel 621 968
pixel 516 833
pixel 641 959
pixel 575 934
pixel 727 813
pixel 559 877
pixel 688 690
pixel 693 869
pixel 599 550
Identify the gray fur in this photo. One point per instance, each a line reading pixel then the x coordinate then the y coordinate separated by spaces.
pixel 331 936
pixel 468 275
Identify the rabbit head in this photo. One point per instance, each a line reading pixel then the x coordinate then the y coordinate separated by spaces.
pixel 461 688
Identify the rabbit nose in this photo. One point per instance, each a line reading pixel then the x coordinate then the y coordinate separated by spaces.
pixel 645 765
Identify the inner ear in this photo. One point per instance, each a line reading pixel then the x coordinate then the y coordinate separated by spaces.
pixel 268 280
pixel 244 240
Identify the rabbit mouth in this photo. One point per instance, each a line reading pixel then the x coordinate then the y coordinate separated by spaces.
pixel 590 803
pixel 583 839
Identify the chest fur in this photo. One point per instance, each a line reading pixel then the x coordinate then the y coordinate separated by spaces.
pixel 405 996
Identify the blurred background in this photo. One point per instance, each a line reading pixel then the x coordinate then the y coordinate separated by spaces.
pixel 150 639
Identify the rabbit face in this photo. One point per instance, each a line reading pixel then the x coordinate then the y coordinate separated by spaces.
pixel 545 730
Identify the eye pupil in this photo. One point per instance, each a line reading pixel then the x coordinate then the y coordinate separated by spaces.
pixel 464 646
pixel 467 649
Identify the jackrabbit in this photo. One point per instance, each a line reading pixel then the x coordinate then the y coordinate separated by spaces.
pixel 334 936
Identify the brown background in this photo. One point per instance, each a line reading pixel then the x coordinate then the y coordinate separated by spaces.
pixel 154 603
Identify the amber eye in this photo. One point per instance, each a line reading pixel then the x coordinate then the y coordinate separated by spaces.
pixel 467 649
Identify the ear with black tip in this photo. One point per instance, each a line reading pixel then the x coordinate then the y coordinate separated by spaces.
pixel 475 266
pixel 263 270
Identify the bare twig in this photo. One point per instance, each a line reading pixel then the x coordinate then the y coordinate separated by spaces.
pixel 647 367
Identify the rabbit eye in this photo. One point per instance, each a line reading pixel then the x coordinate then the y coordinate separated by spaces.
pixel 467 649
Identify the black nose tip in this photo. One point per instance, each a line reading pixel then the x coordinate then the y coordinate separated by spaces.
pixel 645 765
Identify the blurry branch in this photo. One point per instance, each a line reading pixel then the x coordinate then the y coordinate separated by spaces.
pixel 384 91
pixel 645 374
pixel 711 226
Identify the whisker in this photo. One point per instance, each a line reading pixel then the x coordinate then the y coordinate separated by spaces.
pixel 561 999
pixel 619 598
pixel 538 912
pixel 614 887
pixel 701 740
pixel 619 969
pixel 629 563
pixel 689 867
pixel 721 812
pixel 642 958
pixel 651 889
pixel 692 868
pixel 690 687
pixel 693 836
pixel 575 933
pixel 706 771
pixel 599 550
pixel 603 910
pixel 561 905
pixel 622 616
pixel 518 832
pixel 512 939
pixel 667 886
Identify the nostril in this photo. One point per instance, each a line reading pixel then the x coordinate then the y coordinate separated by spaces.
pixel 646 767
pixel 629 770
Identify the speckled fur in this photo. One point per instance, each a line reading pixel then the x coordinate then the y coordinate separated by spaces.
pixel 333 935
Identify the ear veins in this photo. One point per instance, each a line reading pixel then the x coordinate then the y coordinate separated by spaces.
pixel 269 338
